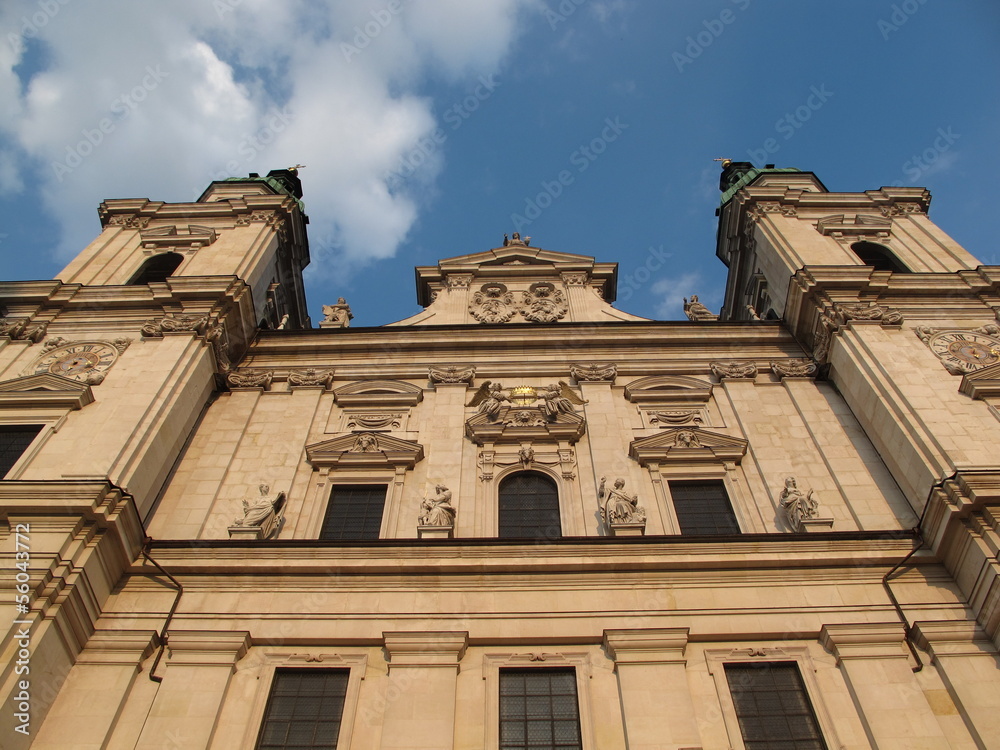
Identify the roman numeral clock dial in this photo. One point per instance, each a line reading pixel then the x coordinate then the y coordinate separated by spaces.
pixel 965 351
pixel 86 361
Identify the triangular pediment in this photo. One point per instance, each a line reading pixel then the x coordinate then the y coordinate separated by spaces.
pixel 689 445
pixel 516 255
pixel 365 449
pixel 45 390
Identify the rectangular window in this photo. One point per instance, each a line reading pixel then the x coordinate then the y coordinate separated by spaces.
pixel 14 441
pixel 703 508
pixel 354 512
pixel 539 709
pixel 772 706
pixel 304 709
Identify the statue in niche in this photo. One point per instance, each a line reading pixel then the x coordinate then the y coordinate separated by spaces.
pixel 797 505
pixel 437 509
pixel 558 398
pixel 338 315
pixel 489 398
pixel 264 512
pixel 617 506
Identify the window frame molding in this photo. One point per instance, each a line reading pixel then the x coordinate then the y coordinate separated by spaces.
pixel 269 663
pixel 718 658
pixel 579 661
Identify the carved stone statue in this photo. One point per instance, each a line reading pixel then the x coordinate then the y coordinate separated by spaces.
pixel 687 439
pixel 437 509
pixel 695 310
pixel 338 315
pixel 526 455
pixel 797 505
pixel 617 506
pixel 557 398
pixel 489 398
pixel 365 443
pixel 263 512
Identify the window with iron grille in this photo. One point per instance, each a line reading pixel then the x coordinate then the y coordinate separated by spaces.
pixel 539 710
pixel 773 707
pixel 529 507
pixel 14 441
pixel 304 709
pixel 354 512
pixel 703 508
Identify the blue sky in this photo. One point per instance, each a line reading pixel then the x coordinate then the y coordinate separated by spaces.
pixel 428 129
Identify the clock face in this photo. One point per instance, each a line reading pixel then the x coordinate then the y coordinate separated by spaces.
pixel 78 361
pixel 966 349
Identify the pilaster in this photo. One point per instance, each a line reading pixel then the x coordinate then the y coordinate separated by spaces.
pixel 420 697
pixel 652 680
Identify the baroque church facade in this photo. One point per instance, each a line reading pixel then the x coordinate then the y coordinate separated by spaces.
pixel 521 517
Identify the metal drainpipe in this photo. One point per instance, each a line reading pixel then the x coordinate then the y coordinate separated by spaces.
pixel 885 579
pixel 146 541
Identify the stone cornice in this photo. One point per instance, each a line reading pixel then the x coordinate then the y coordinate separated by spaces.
pixel 869 640
pixel 426 648
pixel 207 648
pixel 647 646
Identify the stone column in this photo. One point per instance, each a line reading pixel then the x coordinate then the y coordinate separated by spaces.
pixel 107 667
pixel 194 685
pixel 420 697
pixel 652 680
pixel 967 662
pixel 888 698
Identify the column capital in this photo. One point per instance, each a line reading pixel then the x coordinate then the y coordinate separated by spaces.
pixel 425 648
pixel 867 640
pixel 953 638
pixel 647 645
pixel 207 648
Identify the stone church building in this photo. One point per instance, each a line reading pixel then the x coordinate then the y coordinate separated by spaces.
pixel 522 518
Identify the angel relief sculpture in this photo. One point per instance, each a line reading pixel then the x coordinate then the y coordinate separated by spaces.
pixel 489 398
pixel 558 398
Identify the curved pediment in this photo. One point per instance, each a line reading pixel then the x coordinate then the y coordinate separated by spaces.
pixel 688 445
pixel 379 393
pixel 515 424
pixel 665 388
pixel 365 450
pixel 45 389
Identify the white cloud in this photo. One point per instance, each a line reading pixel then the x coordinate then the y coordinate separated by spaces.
pixel 143 99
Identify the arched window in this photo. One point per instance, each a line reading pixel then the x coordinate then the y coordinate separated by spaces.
pixel 529 507
pixel 879 257
pixel 157 268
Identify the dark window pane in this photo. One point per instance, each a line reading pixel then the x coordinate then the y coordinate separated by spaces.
pixel 529 507
pixel 879 257
pixel 539 710
pixel 354 512
pixel 703 508
pixel 304 710
pixel 772 707
pixel 14 441
pixel 157 268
